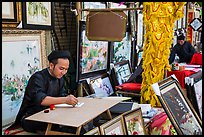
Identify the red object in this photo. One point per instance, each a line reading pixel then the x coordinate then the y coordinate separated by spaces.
pixel 46 111
pixel 180 75
pixel 52 107
pixel 6 132
pixel 129 86
pixel 196 59
pixel 160 125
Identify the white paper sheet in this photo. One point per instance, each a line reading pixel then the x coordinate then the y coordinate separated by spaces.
pixel 79 104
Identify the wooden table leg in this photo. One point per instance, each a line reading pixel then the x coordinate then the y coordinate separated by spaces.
pixel 48 128
pixel 78 130
pixel 51 132
pixel 109 114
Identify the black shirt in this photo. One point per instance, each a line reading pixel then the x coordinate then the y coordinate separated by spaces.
pixel 185 52
pixel 40 85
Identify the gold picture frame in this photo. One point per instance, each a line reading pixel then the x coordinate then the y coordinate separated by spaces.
pixel 114 126
pixel 26 35
pixel 134 123
pixel 94 131
pixel 23 53
pixel 12 15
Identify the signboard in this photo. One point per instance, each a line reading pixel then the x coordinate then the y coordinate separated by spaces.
pixel 196 24
pixel 106 26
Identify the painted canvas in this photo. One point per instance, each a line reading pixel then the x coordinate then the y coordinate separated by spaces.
pixel 21 57
pixel 122 49
pixel 134 122
pixel 93 56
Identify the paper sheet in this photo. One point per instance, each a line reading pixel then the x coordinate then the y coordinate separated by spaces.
pixel 116 98
pixel 79 104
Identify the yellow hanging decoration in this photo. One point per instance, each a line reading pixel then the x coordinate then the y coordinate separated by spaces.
pixel 159 18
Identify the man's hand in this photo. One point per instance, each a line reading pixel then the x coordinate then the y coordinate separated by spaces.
pixel 71 100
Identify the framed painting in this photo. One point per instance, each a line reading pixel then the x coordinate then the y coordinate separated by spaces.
pixel 101 86
pixel 93 56
pixel 23 53
pixel 122 50
pixel 38 15
pixel 94 131
pixel 91 5
pixel 177 106
pixel 122 71
pixel 134 123
pixel 114 126
pixel 11 15
pixel 198 94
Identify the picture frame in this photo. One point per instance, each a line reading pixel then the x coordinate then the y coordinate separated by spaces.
pixel 12 15
pixel 91 5
pixel 94 131
pixel 198 94
pixel 23 53
pixel 134 123
pixel 93 57
pixel 122 72
pixel 114 126
pixel 177 106
pixel 40 18
pixel 122 50
pixel 102 85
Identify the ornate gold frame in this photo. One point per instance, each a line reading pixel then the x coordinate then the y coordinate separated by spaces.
pixel 12 24
pixel 18 33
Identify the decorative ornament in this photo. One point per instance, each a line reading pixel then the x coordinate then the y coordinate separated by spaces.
pixel 159 18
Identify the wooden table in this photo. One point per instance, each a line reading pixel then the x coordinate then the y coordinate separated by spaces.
pixel 74 116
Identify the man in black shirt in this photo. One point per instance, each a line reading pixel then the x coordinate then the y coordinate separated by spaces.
pixel 183 49
pixel 44 88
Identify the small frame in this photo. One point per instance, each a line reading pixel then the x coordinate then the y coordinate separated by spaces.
pixel 11 15
pixel 102 86
pixel 94 131
pixel 38 15
pixel 122 71
pixel 114 126
pixel 178 108
pixel 134 123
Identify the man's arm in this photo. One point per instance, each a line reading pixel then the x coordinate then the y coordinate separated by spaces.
pixel 70 99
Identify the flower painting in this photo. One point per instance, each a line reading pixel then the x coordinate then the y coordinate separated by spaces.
pixel 134 122
pixel 93 56
pixel 122 49
pixel 21 57
pixel 38 13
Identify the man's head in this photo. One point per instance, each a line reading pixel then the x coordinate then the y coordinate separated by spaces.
pixel 180 39
pixel 58 63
